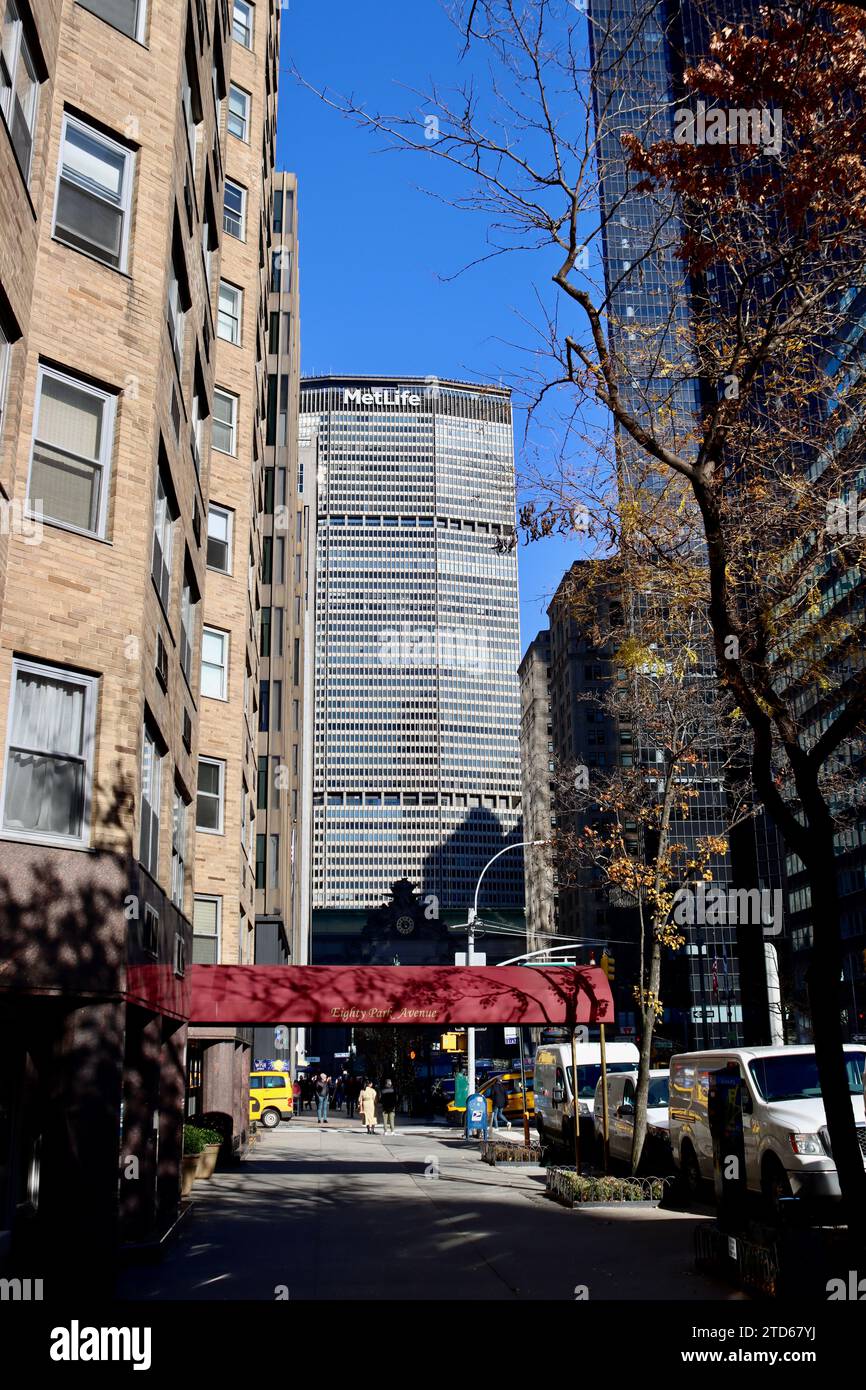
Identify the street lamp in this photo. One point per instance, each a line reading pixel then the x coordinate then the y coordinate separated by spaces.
pixel 470 949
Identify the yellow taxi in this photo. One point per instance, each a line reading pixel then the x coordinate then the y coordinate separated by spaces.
pixel 272 1090
pixel 514 1104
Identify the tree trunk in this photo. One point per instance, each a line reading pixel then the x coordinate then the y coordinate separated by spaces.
pixel 646 1041
pixel 824 978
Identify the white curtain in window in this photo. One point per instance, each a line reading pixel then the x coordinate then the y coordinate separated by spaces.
pixel 45 780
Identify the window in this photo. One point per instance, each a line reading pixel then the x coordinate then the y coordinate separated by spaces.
pixel 164 517
pixel 214 664
pixel 265 640
pixel 219 539
pixel 239 112
pixel 178 306
pixel 261 842
pixel 206 915
pixel 211 796
pixel 235 210
pixel 178 848
pixel 188 604
pixel 191 103
pixel 225 422
pixel 229 313
pixel 72 443
pixel 49 760
pixel 262 785
pixel 264 706
pixel 93 194
pixel 126 15
pixel 5 355
pixel 19 87
pixel 278 211
pixel 242 23
pixel 151 780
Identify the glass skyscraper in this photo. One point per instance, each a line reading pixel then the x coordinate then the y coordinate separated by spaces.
pixel 417 703
pixel 639 49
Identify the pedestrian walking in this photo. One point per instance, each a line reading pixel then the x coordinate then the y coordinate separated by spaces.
pixel 323 1096
pixel 388 1101
pixel 367 1100
pixel 351 1090
pixel 297 1096
pixel 500 1100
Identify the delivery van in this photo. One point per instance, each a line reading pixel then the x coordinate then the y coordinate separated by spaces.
pixel 557 1091
pixel 621 1099
pixel 785 1138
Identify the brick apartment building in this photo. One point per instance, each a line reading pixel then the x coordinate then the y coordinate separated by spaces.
pixel 136 158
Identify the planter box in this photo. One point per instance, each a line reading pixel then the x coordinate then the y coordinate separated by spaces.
pixel 582 1191
pixel 189 1173
pixel 510 1155
pixel 207 1160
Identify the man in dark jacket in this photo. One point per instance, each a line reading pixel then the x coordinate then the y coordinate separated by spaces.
pixel 500 1100
pixel 388 1100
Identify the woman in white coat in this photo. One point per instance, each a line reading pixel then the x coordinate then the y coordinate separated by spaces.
pixel 367 1103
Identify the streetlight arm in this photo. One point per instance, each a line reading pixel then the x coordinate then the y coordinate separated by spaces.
pixel 524 844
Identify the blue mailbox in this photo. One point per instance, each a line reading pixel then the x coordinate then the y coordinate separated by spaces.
pixel 476 1115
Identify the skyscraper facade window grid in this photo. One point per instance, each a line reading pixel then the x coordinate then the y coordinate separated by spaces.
pixel 416 752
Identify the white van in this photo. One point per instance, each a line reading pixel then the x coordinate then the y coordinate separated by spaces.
pixel 785 1135
pixel 621 1094
pixel 554 1084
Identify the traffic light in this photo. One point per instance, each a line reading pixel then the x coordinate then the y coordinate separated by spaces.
pixel 608 965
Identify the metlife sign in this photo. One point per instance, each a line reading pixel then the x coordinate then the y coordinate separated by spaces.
pixel 380 396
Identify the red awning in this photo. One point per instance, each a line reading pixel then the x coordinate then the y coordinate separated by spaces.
pixel 402 994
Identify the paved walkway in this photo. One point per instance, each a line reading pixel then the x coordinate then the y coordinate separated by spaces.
pixel 335 1213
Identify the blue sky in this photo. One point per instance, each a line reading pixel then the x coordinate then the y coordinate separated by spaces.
pixel 374 245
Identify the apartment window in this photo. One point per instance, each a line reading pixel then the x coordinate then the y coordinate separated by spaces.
pixel 267 559
pixel 264 706
pixel 278 211
pixel 187 626
pixel 239 112
pixel 5 355
pixel 214 663
pixel 219 539
pixel 242 23
pixel 277 705
pixel 280 560
pixel 265 644
pixel 210 797
pixel 19 87
pixel 277 630
pixel 192 109
pixel 231 302
pixel 72 444
pixel 262 785
pixel 49 758
pixel 178 848
pixel 151 782
pixel 206 916
pixel 225 422
pixel 261 842
pixel 178 306
pixel 92 209
pixel 164 516
pixel 235 210
pixel 126 15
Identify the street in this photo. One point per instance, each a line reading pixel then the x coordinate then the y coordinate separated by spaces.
pixel 334 1213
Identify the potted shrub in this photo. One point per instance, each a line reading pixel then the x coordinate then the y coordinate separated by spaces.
pixel 193 1146
pixel 210 1153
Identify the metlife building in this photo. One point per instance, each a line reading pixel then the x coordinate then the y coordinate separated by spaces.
pixel 416 771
